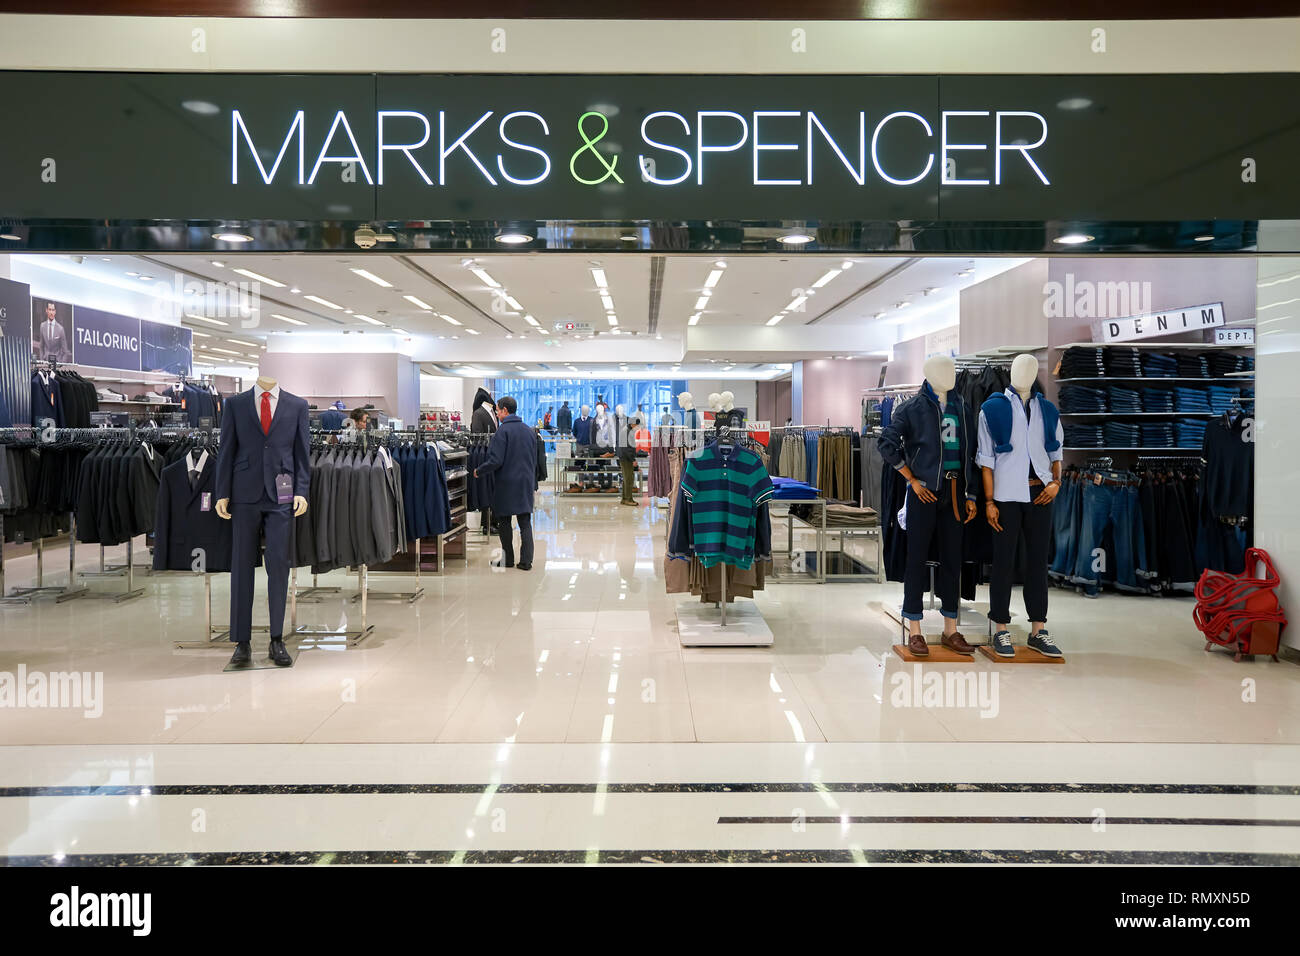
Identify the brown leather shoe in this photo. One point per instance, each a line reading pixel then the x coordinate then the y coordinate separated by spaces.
pixel 916 644
pixel 956 642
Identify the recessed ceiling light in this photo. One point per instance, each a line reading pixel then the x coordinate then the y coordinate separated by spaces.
pixel 846 264
pixel 202 335
pixel 404 332
pixel 694 319
pixel 365 274
pixel 513 303
pixel 606 301
pixel 202 107
pixel 612 319
pixel 472 331
pixel 598 276
pixel 628 238
pixel 795 239
pixel 902 305
pixel 325 302
pixel 521 368
pixel 1073 239
pixel 1075 103
pixel 218 264
pixel 417 301
pixel 795 303
pixel 775 319
pixel 713 278
pixel 448 318
pixel 509 336
pixel 701 303
pixel 133 275
pixel 879 315
pixel 1204 238
pixel 285 318
pixel 720 264
pixel 295 290
pixel 827 277
pixel 204 318
pixel 514 238
pixel 347 311
pixel 487 279
pixel 10 237
pixel 251 345
pixel 258 277
pixel 214 348
pixel 366 318
pixel 231 237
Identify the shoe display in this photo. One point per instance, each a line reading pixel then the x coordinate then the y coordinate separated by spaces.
pixel 278 653
pixel 916 644
pixel 956 642
pixel 1044 645
pixel 1002 644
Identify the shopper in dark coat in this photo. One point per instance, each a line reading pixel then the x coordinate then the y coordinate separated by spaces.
pixel 512 456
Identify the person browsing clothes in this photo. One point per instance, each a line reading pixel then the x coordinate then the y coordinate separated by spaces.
pixel 512 455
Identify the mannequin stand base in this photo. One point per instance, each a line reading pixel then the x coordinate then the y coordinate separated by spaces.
pixel 306 637
pixel 1024 655
pixel 260 661
pixel 700 625
pixel 938 655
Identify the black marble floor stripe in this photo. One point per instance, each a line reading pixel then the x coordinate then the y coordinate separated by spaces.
pixel 378 789
pixel 579 857
pixel 1079 820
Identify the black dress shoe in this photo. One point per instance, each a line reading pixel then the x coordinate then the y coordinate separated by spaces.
pixel 524 567
pixel 278 653
pixel 243 653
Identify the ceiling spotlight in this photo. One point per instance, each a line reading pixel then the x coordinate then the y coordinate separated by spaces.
pixel 1073 239
pixel 514 238
pixel 795 239
pixel 231 237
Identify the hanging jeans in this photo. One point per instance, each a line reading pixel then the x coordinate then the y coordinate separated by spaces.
pixel 925 523
pixel 1115 508
pixel 507 536
pixel 1065 523
pixel 1032 524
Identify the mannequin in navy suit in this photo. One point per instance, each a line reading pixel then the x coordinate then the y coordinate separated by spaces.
pixel 263 476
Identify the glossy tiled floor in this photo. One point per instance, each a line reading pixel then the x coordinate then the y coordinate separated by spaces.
pixel 583 649
pixel 552 715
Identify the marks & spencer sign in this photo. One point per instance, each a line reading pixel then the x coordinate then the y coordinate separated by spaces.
pixel 492 147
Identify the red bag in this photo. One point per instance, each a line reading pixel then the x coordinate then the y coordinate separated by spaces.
pixel 1241 610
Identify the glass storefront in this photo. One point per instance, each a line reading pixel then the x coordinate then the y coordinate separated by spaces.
pixel 538 395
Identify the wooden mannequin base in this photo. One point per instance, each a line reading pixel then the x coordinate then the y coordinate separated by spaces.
pixel 1024 655
pixel 938 655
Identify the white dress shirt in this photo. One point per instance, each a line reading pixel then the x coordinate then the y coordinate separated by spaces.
pixel 258 392
pixel 1011 468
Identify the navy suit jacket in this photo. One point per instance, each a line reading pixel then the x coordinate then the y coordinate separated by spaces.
pixel 249 460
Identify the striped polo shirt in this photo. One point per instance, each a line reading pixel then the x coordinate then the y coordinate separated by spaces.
pixel 724 491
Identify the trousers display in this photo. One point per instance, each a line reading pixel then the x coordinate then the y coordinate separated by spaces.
pixel 934 523
pixel 269 526
pixel 1027 532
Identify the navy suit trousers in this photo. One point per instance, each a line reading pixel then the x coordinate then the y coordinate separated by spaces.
pixel 251 522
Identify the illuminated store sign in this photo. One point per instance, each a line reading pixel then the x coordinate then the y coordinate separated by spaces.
pixel 518 146
pixel 665 148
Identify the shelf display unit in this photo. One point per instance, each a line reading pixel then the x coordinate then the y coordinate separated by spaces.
pixel 595 476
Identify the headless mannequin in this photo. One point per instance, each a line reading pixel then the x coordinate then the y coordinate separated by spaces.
pixel 1024 372
pixel 941 373
pixel 299 502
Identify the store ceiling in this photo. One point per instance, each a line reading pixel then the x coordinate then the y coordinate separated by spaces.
pixel 484 300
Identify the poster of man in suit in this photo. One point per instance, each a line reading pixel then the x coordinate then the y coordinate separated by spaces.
pixel 51 330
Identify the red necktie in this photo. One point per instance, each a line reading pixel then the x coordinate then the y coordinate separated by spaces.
pixel 266 413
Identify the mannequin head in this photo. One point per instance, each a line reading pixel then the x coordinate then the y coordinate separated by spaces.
pixel 600 411
pixel 619 410
pixel 1024 371
pixel 715 401
pixel 586 410
pixel 941 372
pixel 686 400
pixel 728 401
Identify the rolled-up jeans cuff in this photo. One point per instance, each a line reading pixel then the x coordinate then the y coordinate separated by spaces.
pixel 951 615
pixel 913 616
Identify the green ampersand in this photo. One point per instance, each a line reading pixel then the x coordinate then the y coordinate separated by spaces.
pixel 589 145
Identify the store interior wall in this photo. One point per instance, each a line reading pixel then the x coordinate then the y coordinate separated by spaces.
pixel 908 363
pixel 832 392
pixel 442 391
pixel 1277 453
pixel 1005 310
pixel 773 402
pixel 384 379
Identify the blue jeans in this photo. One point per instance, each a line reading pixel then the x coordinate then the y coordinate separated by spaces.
pixel 1114 507
pixel 1065 518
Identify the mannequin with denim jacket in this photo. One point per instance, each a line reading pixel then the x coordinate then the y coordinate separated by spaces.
pixel 925 443
pixel 1021 470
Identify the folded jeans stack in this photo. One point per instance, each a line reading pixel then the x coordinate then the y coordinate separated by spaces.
pixel 1221 397
pixel 1191 400
pixel 1122 434
pixel 1193 365
pixel 1081 398
pixel 1123 362
pixel 1157 400
pixel 1082 362
pixel 1083 436
pixel 1189 432
pixel 1159 365
pixel 1158 434
pixel 1121 400
pixel 1222 363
